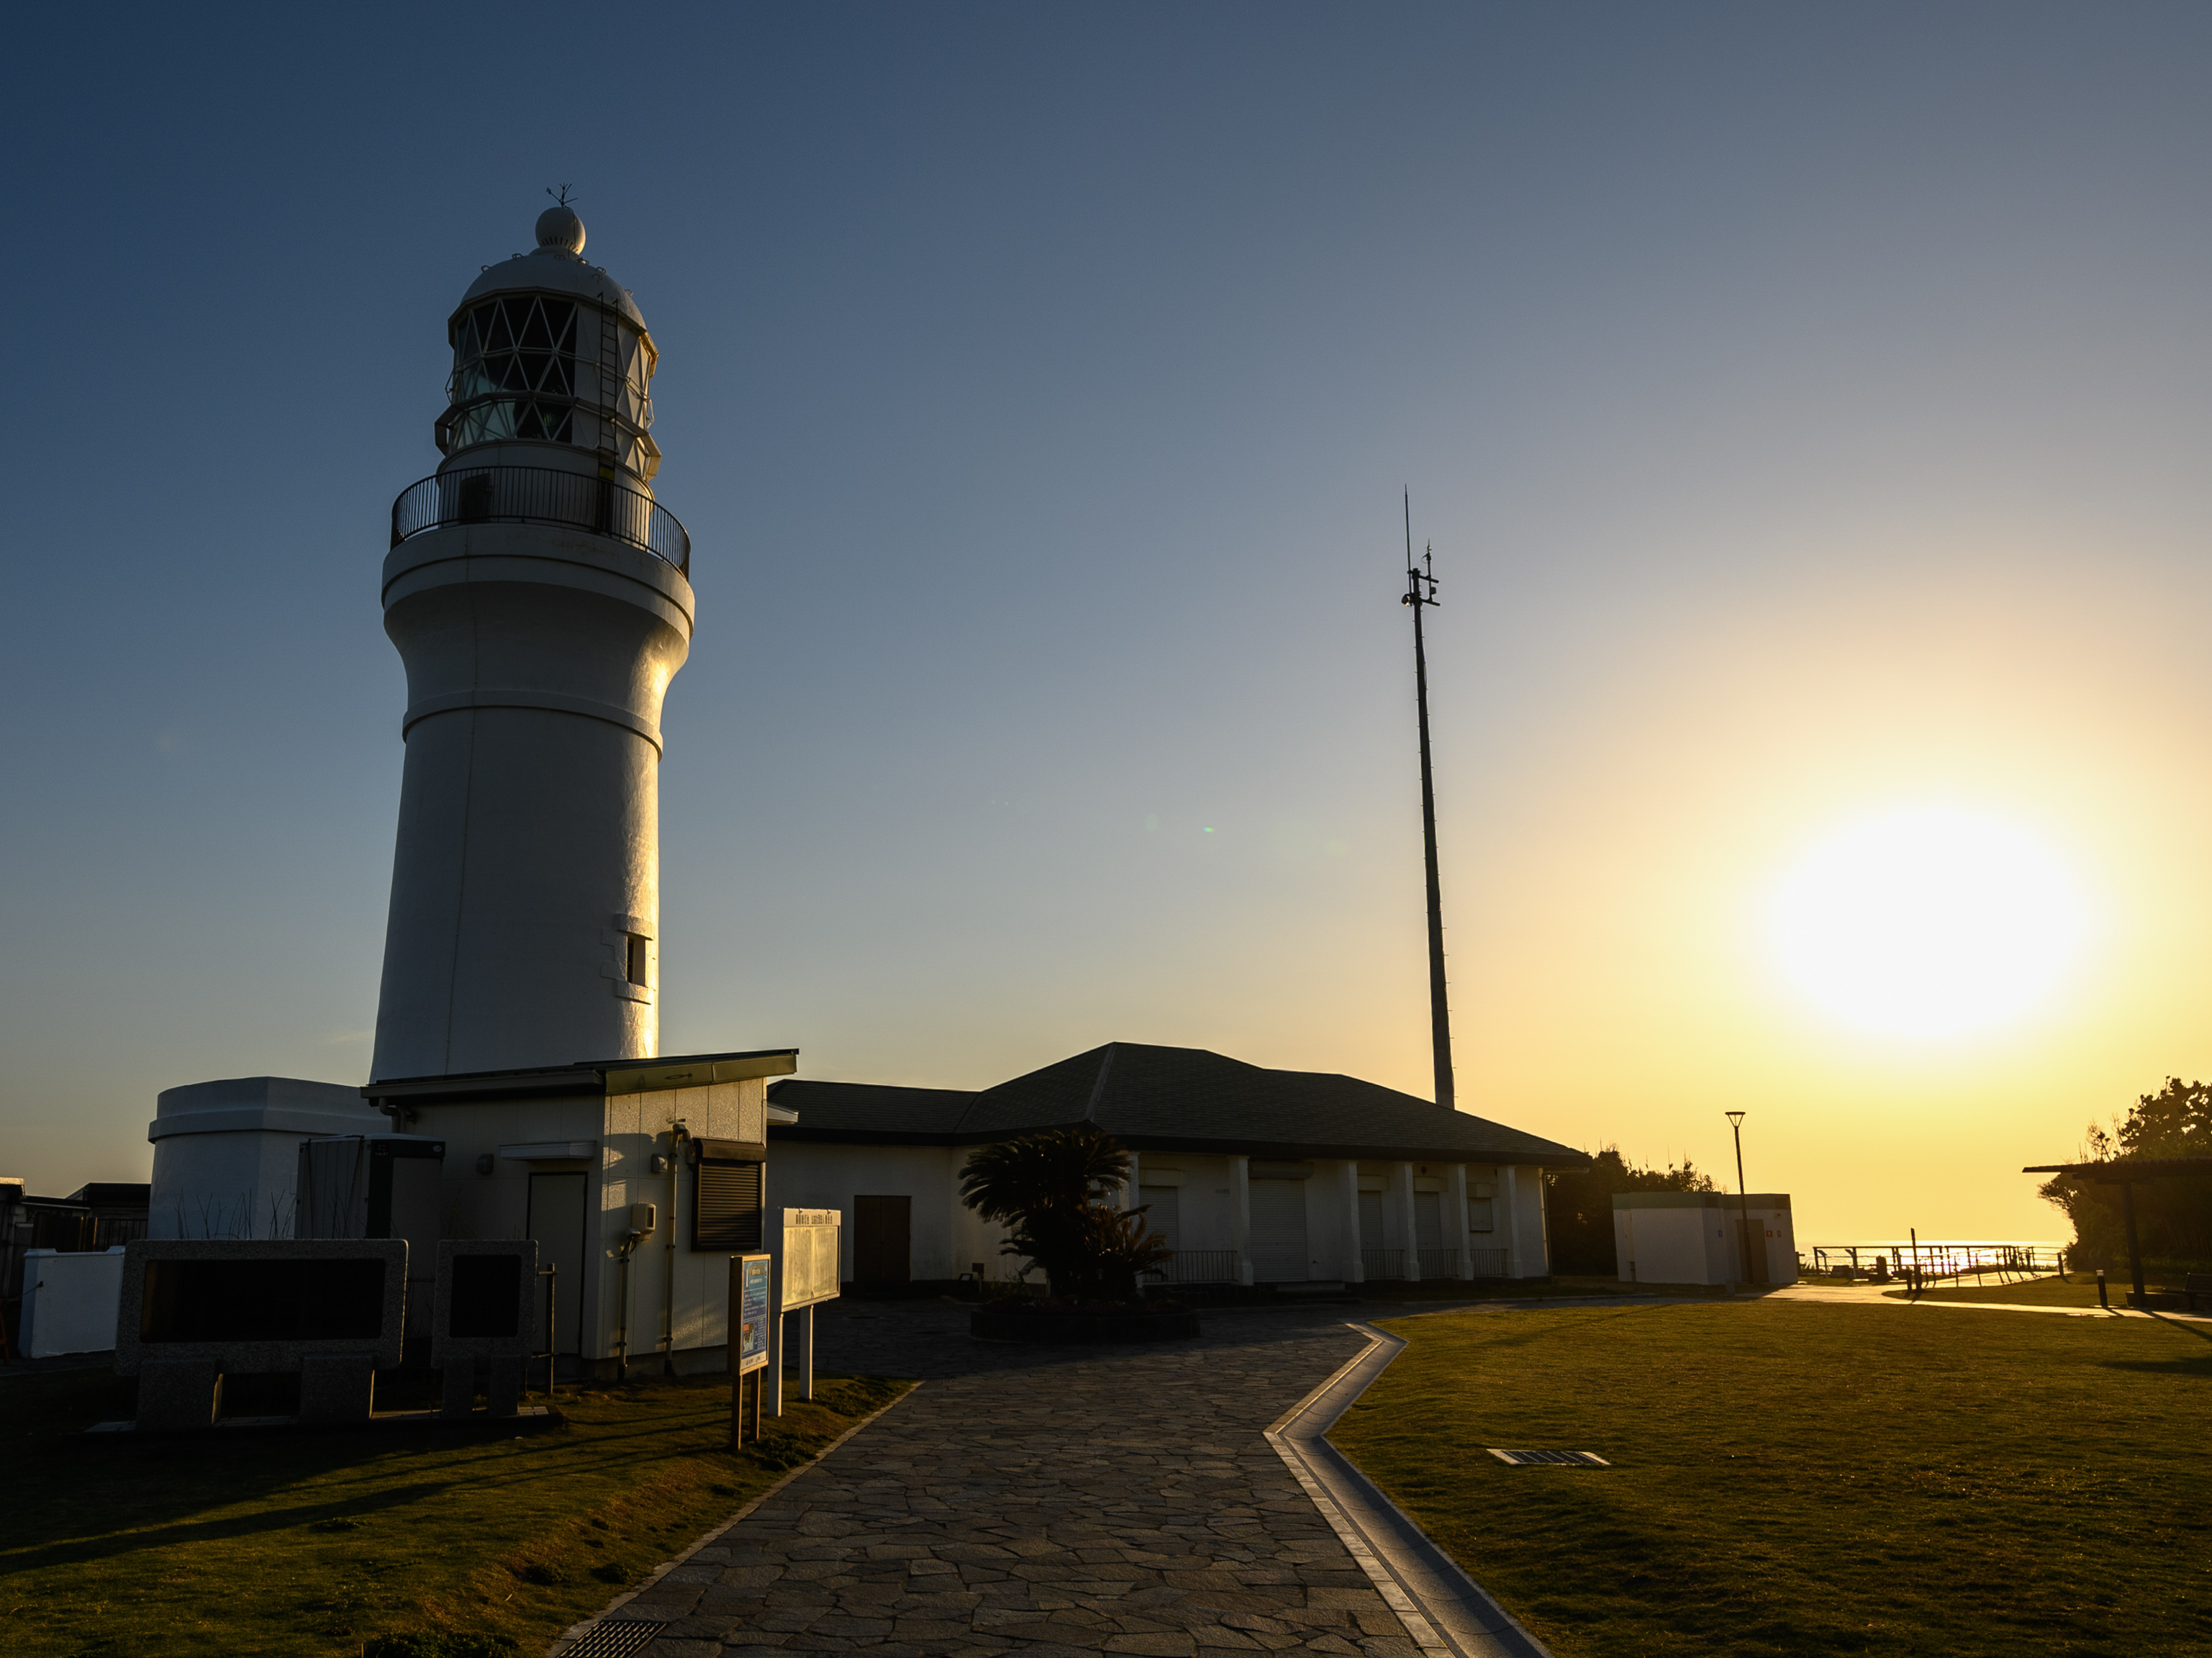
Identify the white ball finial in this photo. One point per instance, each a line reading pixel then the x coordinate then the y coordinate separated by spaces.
pixel 560 231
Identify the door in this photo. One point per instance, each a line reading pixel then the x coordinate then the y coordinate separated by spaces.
pixel 1750 1249
pixel 1163 1213
pixel 1371 1220
pixel 882 1240
pixel 556 1221
pixel 1428 1220
pixel 1279 1232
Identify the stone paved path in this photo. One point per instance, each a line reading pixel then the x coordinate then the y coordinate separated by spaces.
pixel 1043 1501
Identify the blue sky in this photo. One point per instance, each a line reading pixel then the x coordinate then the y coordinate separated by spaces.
pixel 1806 405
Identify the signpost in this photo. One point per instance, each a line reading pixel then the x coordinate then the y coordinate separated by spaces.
pixel 809 1245
pixel 751 1308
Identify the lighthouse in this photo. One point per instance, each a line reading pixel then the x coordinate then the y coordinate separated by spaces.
pixel 541 600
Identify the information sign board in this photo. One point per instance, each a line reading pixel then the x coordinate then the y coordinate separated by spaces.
pixel 751 1311
pixel 810 1256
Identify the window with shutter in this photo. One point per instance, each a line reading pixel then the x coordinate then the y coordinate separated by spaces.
pixel 725 1208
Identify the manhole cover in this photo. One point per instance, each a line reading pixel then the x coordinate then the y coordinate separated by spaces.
pixel 616 1638
pixel 1550 1459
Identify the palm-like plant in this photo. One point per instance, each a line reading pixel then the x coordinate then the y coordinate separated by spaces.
pixel 1054 1191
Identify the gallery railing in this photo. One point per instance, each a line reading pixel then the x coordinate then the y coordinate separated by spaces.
pixel 1196 1266
pixel 541 495
pixel 1382 1264
pixel 1487 1263
pixel 1438 1263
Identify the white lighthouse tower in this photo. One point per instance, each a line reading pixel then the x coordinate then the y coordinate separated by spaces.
pixel 540 598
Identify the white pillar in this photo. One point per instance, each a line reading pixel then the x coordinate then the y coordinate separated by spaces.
pixel 1240 1216
pixel 1509 1188
pixel 1455 1222
pixel 1409 1233
pixel 1131 1186
pixel 1355 1259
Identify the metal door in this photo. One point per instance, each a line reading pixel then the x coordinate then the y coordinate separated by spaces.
pixel 1279 1232
pixel 557 1222
pixel 882 1240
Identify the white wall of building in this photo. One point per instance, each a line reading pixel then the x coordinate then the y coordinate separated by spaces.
pixel 1695 1243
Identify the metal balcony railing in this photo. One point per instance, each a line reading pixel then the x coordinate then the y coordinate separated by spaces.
pixel 1438 1262
pixel 541 495
pixel 1485 1263
pixel 1196 1266
pixel 1381 1265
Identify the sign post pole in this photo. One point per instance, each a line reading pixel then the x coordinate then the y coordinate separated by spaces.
pixel 751 1312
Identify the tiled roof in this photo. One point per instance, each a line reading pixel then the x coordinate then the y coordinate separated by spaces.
pixel 1159 1099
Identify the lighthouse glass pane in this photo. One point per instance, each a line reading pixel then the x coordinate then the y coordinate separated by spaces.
pixel 524 343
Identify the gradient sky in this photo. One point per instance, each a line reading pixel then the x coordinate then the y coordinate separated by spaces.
pixel 1807 404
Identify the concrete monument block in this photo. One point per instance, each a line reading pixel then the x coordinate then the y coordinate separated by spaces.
pixel 176 1395
pixel 332 1310
pixel 486 1311
pixel 337 1387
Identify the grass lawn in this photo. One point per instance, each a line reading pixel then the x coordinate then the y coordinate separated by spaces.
pixel 1797 1478
pixel 244 1543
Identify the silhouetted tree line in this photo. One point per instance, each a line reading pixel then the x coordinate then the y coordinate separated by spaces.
pixel 2173 1217
pixel 1580 1207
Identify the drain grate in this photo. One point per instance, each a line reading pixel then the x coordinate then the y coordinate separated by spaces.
pixel 617 1638
pixel 1550 1459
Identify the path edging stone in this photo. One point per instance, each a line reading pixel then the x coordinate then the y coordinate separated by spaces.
pixel 1458 1618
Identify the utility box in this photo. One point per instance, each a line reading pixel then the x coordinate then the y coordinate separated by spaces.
pixel 1704 1237
pixel 379 1186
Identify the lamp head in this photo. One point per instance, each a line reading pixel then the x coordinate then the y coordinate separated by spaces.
pixel 1735 1118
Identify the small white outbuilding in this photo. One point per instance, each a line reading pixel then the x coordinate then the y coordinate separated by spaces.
pixel 1704 1237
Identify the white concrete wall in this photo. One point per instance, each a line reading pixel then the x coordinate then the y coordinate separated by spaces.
pixel 1698 1244
pixel 70 1301
pixel 947 1238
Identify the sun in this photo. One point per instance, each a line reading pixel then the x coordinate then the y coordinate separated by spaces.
pixel 1929 921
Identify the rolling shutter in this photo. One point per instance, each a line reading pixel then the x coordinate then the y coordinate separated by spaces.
pixel 725 1209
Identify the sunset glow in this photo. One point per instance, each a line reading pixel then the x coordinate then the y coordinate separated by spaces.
pixel 1929 922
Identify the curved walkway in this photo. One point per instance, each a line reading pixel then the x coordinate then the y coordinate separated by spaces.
pixel 1056 1502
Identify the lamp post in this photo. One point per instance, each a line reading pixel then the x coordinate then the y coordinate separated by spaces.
pixel 1742 1200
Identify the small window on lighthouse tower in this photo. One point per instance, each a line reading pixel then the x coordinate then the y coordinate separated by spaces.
pixel 636 959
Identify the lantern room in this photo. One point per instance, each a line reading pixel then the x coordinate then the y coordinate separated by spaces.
pixel 551 357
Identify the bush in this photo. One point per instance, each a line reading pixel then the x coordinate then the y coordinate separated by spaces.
pixel 1055 1190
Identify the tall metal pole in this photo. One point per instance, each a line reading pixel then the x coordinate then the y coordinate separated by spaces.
pixel 1742 1198
pixel 1420 593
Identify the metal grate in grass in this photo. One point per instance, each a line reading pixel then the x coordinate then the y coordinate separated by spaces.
pixel 615 1637
pixel 1550 1459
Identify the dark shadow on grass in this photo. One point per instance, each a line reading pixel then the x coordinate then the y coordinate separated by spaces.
pixel 76 1550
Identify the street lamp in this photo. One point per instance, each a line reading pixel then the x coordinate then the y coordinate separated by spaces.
pixel 1742 1200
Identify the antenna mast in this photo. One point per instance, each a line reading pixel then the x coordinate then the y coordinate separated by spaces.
pixel 1420 593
